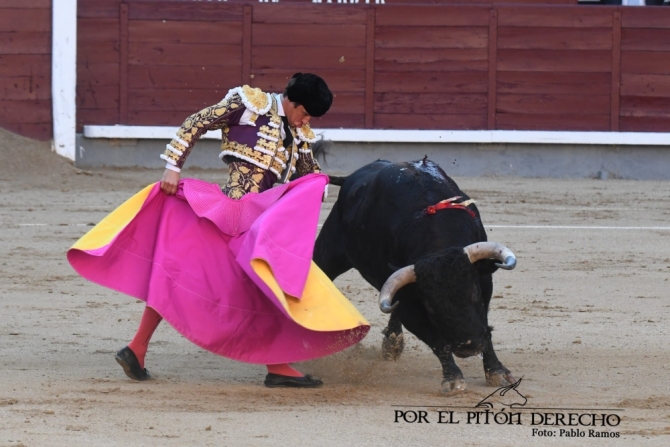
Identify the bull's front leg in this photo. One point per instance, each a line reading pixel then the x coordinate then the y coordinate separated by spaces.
pixel 415 319
pixel 496 374
pixel 394 341
pixel 452 377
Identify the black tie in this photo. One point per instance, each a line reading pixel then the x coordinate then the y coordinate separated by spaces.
pixel 288 140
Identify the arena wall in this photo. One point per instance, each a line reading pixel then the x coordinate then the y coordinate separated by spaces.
pixel 484 66
pixel 442 66
pixel 25 67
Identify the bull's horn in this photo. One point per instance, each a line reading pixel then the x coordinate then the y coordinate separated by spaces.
pixel 395 282
pixel 491 250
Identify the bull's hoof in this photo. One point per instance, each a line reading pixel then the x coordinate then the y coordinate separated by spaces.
pixel 454 386
pixel 392 345
pixel 500 377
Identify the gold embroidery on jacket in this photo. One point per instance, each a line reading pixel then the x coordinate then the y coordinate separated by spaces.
pixel 209 118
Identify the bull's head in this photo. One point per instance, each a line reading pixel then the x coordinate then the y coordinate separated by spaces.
pixel 450 291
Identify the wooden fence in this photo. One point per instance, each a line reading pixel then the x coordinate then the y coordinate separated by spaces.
pixel 442 66
pixel 25 67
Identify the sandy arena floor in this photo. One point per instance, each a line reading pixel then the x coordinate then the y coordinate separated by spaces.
pixel 583 320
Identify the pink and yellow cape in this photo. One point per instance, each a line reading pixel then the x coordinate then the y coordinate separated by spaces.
pixel 235 277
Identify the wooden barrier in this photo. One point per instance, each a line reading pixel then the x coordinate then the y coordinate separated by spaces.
pixel 488 65
pixel 25 67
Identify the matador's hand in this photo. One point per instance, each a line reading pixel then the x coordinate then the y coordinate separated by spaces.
pixel 169 182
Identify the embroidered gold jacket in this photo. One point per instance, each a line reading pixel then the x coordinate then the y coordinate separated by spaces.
pixel 259 143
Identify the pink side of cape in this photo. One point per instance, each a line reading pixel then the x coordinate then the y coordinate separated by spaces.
pixel 188 256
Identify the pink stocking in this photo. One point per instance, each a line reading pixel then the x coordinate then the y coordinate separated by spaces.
pixel 148 324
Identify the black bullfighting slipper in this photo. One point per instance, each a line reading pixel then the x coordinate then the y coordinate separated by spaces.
pixel 131 366
pixel 277 380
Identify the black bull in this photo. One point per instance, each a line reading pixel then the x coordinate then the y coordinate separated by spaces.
pixel 435 268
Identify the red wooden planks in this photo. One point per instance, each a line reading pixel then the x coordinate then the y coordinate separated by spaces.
pixel 25 20
pixel 23 4
pixel 98 8
pixel 25 65
pixel 97 97
pixel 645 124
pixel 533 121
pixel 345 102
pixel 124 56
pixel 192 100
pixel 186 11
pixel 185 32
pixel 42 130
pixel 25 88
pixel 493 71
pixel 555 83
pixel 318 35
pixel 555 38
pixel 189 77
pixel 334 120
pixel 431 37
pixel 645 39
pixel 307 58
pixel 98 74
pixel 547 16
pixel 554 104
pixel 25 43
pixel 25 68
pixel 337 80
pixel 651 62
pixel 459 121
pixel 645 106
pixel 645 85
pixel 616 71
pixel 98 51
pixel 370 67
pixel 86 117
pixel 173 54
pixel 97 29
pixel 466 103
pixel 645 17
pixel 422 15
pixel 25 111
pixel 554 67
pixel 555 60
pixel 308 14
pixel 428 59
pixel 246 45
pixel 169 117
pixel 432 82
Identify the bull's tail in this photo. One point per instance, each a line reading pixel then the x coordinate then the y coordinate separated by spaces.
pixel 321 148
pixel 336 180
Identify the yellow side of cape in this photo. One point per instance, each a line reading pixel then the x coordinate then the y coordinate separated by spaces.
pixel 105 231
pixel 321 308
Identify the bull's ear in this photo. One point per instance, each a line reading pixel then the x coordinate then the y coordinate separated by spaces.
pixel 486 266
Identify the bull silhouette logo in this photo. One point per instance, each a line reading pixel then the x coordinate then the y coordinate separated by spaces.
pixel 508 396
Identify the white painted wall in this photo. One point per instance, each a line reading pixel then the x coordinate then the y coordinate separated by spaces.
pixel 415 136
pixel 64 76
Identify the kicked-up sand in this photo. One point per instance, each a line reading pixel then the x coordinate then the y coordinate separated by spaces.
pixel 584 320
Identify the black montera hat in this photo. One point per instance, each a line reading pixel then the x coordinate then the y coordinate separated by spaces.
pixel 310 91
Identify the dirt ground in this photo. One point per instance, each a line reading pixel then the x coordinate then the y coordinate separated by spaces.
pixel 583 320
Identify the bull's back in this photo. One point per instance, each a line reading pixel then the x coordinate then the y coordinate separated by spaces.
pixel 379 218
